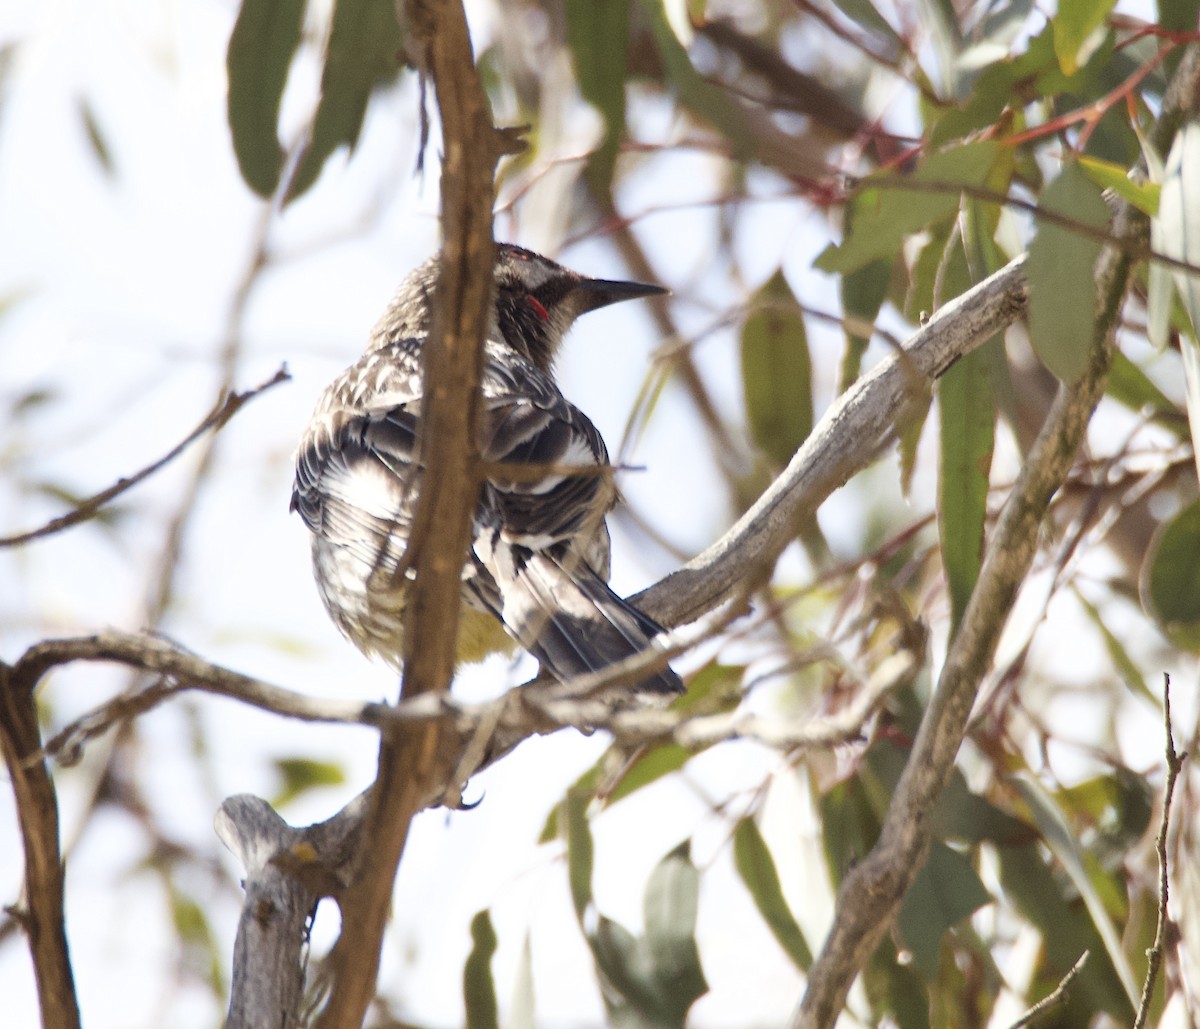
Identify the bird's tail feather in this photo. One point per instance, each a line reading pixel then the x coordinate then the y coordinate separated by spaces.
pixel 571 620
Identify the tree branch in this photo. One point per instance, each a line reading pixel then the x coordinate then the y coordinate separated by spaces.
pixel 1155 953
pixel 37 815
pixel 1057 996
pixel 539 708
pixel 841 444
pixel 411 763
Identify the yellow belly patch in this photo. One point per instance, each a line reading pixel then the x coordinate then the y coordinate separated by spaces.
pixel 479 634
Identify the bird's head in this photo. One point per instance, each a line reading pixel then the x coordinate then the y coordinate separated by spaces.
pixel 535 302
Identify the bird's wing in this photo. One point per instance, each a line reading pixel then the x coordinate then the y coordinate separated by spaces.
pixel 356 473
pixel 540 533
pixel 546 464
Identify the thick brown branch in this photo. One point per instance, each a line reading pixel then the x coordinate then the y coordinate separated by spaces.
pixel 37 814
pixel 412 763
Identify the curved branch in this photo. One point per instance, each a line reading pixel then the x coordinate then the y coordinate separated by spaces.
pixel 840 445
pixel 37 815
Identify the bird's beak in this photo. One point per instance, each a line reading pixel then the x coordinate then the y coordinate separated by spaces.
pixel 596 293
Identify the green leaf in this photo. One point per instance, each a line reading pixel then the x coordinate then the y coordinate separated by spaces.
pixel 1189 350
pixel 201 953
pixel 362 54
pixel 969 818
pixel 669 906
pixel 1178 15
pixel 694 91
pixel 863 291
pixel 1066 933
pixel 898 996
pixel 1062 275
pixel 757 868
pixel 1176 231
pixel 580 850
pixel 1117 654
pixel 714 689
pixel 777 372
pixel 651 765
pixel 864 13
pixel 1110 175
pixel 967 413
pixel 1160 295
pixel 944 892
pixel 621 961
pixel 598 35
pixel 923 297
pixel 915 416
pixel 523 1014
pixel 1119 805
pixel 1062 843
pixel 994 89
pixel 1128 385
pixel 479 989
pixel 586 784
pixel 264 40
pixel 849 826
pixel 885 212
pixel 654 980
pixel 1170 584
pixel 1075 31
pixel 298 775
pixel 940 21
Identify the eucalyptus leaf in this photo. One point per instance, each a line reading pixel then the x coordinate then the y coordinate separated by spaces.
pixel 1062 275
pixel 264 41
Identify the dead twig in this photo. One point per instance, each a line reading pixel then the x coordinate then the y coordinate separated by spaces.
pixel 226 407
pixel 1058 996
pixel 1156 952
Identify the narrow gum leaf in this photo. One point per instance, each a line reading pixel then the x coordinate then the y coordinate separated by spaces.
pixel 264 40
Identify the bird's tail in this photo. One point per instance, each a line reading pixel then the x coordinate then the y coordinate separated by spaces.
pixel 573 623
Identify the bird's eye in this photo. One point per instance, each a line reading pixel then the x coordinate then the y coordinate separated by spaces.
pixel 538 309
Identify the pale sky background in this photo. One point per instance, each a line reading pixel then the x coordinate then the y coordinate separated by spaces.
pixel 117 292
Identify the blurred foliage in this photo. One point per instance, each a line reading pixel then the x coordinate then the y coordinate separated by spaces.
pixel 926 139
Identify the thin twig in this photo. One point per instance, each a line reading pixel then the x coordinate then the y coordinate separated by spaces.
pixel 226 407
pixel 1052 1000
pixel 1157 951
pixel 534 709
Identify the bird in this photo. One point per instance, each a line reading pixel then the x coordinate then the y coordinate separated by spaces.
pixel 536 574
